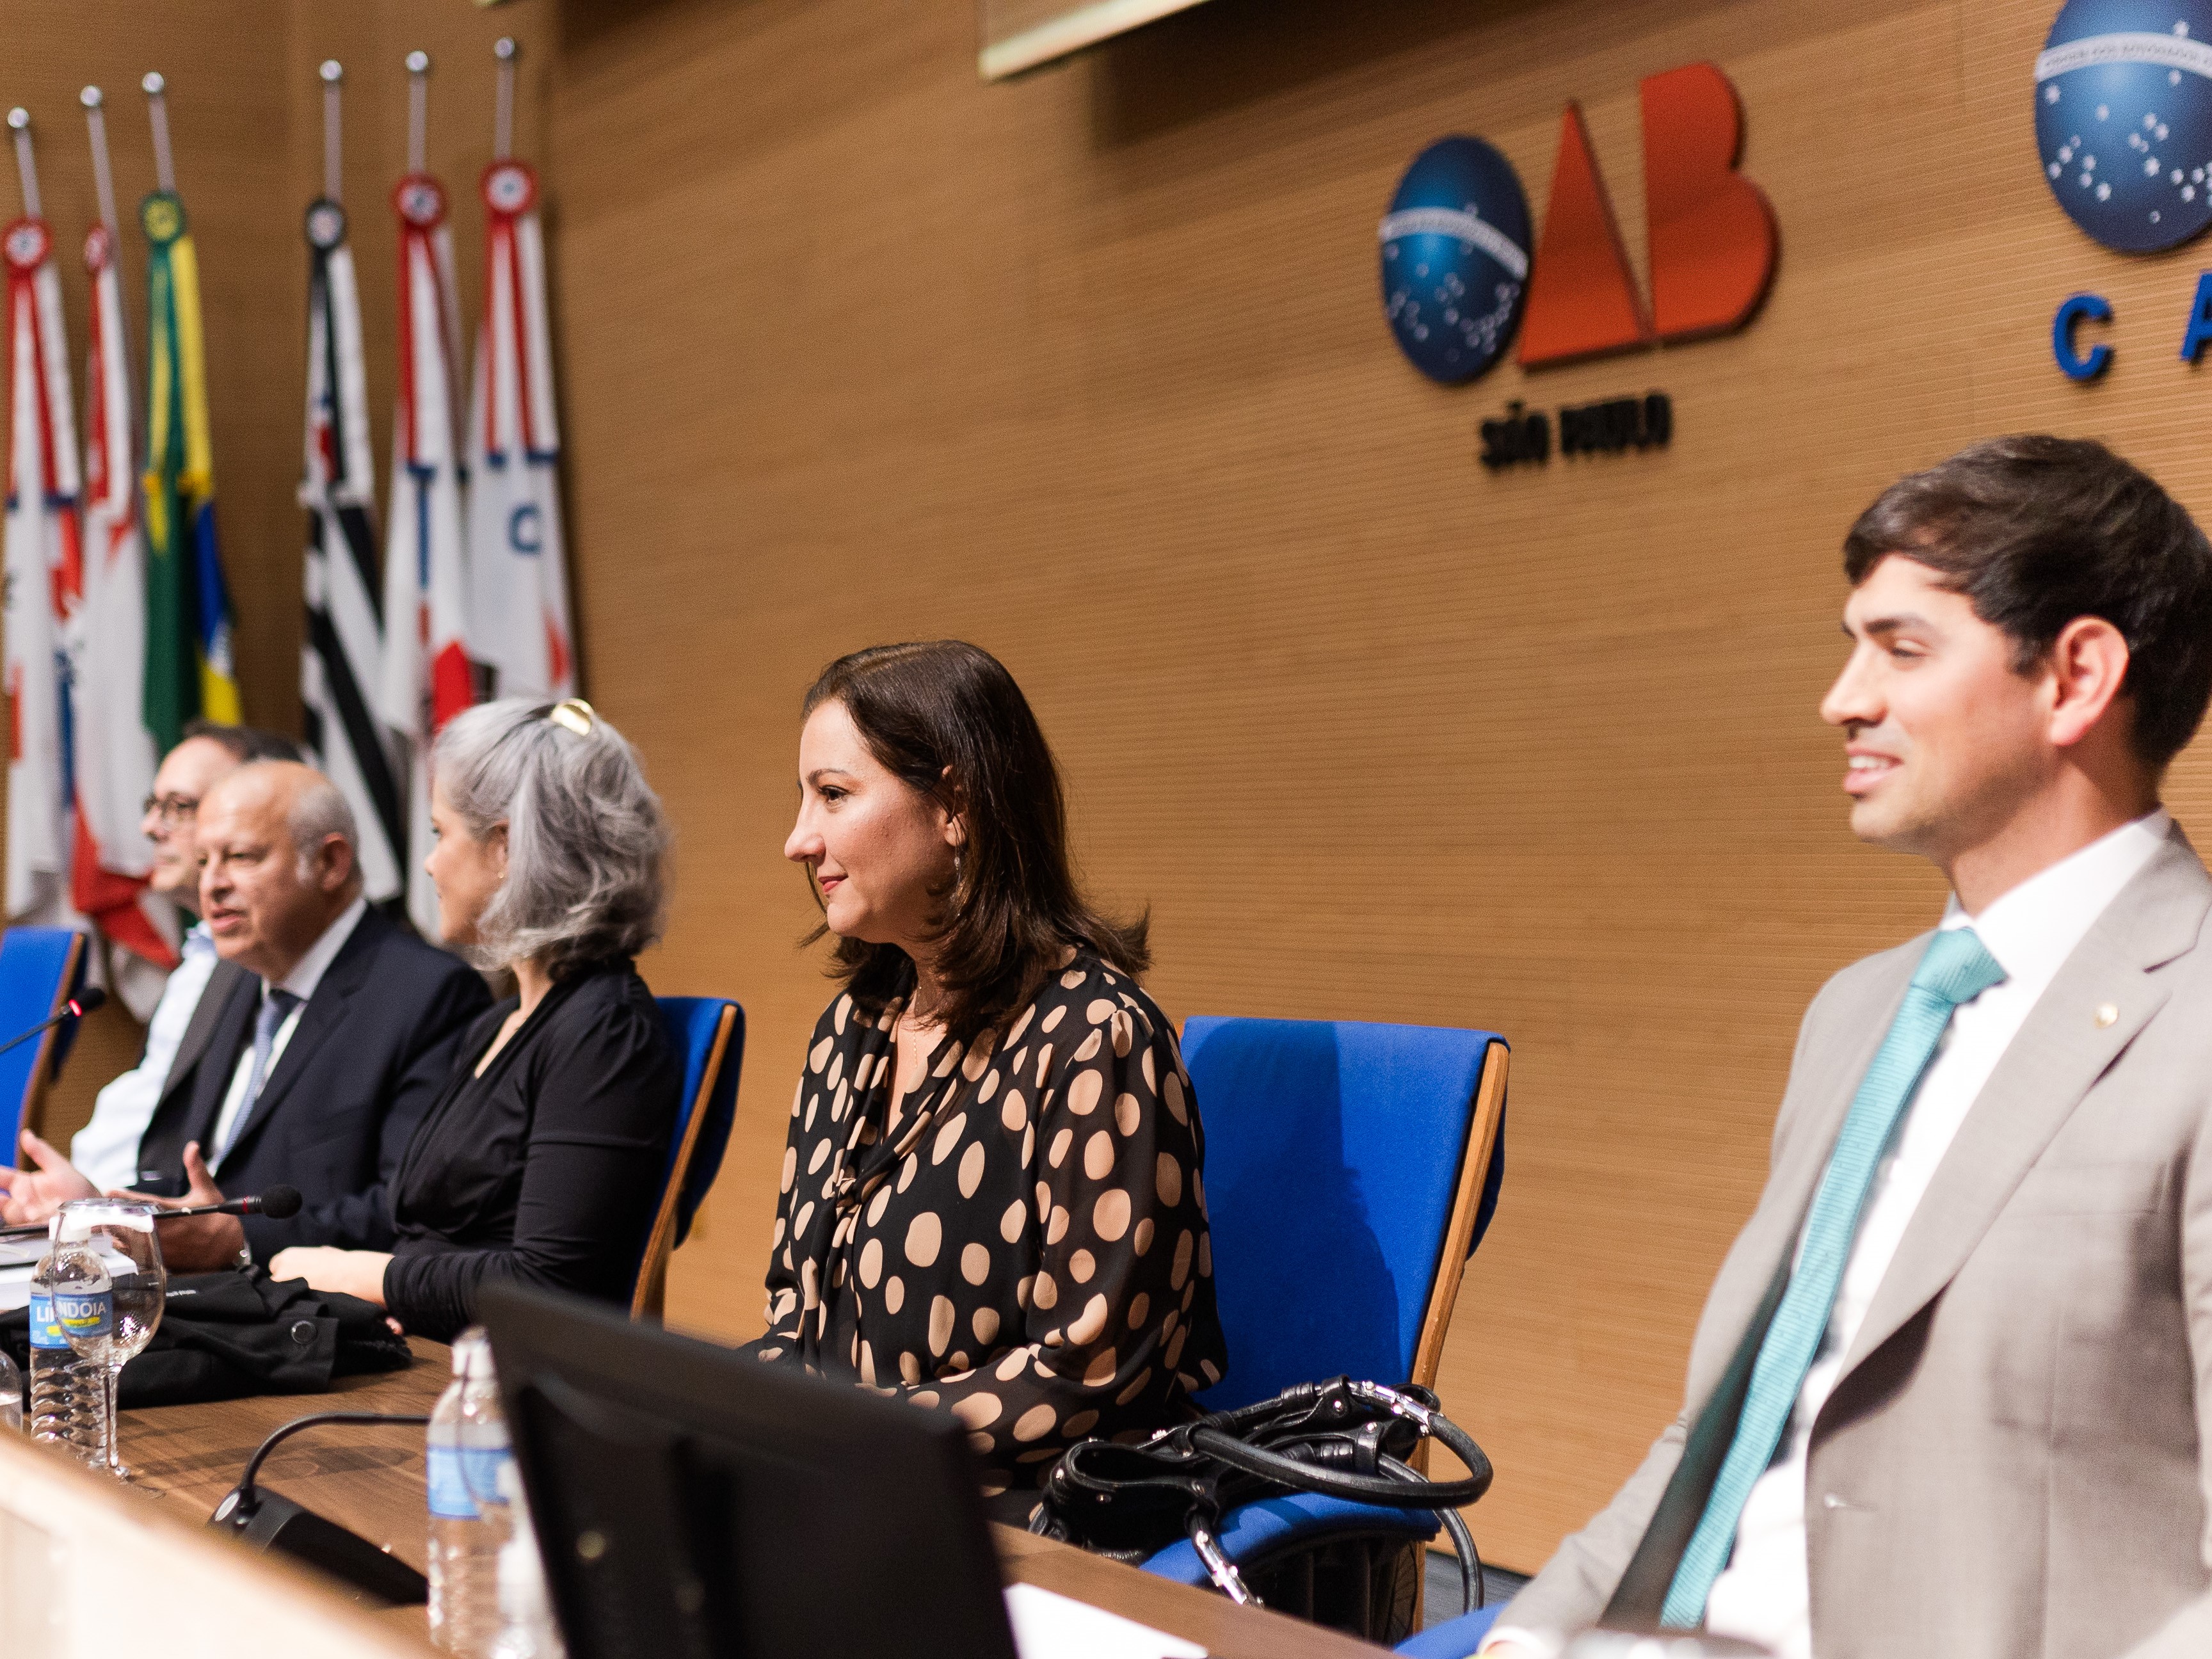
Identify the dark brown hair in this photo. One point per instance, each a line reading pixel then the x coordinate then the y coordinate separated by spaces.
pixel 946 717
pixel 2036 531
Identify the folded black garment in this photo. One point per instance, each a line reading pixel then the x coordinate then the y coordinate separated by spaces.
pixel 225 1335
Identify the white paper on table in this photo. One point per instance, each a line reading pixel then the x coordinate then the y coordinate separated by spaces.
pixel 21 1252
pixel 14 1287
pixel 1049 1626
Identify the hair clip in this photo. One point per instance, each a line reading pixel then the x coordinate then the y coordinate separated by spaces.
pixel 575 714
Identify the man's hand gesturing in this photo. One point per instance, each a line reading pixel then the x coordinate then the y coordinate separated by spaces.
pixel 203 1244
pixel 47 1182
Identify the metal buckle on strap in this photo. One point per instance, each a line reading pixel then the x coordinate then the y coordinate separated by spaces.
pixel 1220 1569
pixel 1394 1402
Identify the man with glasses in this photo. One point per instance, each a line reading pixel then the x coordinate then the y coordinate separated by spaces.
pixel 106 1148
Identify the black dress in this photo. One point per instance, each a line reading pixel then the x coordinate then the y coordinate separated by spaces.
pixel 547 1169
pixel 1026 1246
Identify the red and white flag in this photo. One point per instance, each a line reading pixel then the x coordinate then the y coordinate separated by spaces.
pixel 43 567
pixel 427 678
pixel 113 747
pixel 518 610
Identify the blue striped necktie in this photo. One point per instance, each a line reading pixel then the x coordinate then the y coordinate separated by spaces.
pixel 1956 969
pixel 275 1008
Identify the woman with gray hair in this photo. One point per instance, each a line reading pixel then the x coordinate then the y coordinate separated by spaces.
pixel 541 1160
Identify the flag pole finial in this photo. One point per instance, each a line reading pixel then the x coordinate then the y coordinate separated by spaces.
pixel 103 177
pixel 502 120
pixel 333 77
pixel 418 110
pixel 157 112
pixel 26 168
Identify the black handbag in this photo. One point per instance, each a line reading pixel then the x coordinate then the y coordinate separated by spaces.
pixel 1335 1439
pixel 228 1334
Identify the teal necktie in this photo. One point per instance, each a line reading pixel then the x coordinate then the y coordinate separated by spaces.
pixel 1956 969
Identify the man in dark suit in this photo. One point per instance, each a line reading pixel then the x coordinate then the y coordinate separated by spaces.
pixel 314 1069
pixel 106 1148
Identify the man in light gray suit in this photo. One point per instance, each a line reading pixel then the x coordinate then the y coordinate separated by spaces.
pixel 1951 1395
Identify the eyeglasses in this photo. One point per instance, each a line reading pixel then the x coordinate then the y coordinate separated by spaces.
pixel 171 809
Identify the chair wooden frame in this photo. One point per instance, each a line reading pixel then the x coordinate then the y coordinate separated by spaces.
pixel 651 1291
pixel 1467 1204
pixel 1459 1237
pixel 32 1113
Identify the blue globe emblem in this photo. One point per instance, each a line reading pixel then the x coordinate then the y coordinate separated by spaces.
pixel 1455 259
pixel 2123 119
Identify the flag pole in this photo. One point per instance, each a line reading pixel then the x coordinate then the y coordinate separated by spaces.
pixel 103 176
pixel 502 120
pixel 157 112
pixel 26 168
pixel 418 110
pixel 333 75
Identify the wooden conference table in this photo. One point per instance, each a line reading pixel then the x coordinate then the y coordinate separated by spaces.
pixel 371 1478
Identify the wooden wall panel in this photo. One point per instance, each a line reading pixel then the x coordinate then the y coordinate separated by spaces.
pixel 1089 368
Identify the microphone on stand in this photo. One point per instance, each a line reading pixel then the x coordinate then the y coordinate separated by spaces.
pixel 77 1007
pixel 270 1521
pixel 279 1204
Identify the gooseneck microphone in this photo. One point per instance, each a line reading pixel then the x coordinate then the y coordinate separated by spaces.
pixel 77 1007
pixel 270 1521
pixel 279 1204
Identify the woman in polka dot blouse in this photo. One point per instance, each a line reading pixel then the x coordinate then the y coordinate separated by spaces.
pixel 992 1197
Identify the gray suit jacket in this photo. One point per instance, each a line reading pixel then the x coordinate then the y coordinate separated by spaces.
pixel 2018 1459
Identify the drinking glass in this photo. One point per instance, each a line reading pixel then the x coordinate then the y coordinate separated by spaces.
pixel 109 1289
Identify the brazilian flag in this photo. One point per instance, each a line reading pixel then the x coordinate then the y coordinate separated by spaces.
pixel 191 669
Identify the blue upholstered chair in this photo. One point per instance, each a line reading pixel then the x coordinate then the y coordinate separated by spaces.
pixel 1456 1638
pixel 710 1032
pixel 1351 1169
pixel 40 968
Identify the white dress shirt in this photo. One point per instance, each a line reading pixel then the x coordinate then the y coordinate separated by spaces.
pixel 105 1150
pixel 1763 1596
pixel 302 981
pixel 2031 931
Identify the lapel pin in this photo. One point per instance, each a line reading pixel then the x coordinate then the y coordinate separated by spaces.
pixel 2106 1013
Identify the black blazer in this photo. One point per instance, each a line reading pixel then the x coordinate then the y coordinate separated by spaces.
pixel 373 1046
pixel 546 1169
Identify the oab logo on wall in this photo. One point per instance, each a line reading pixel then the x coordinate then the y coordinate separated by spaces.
pixel 2123 118
pixel 1462 280
pixel 1455 259
pixel 2123 132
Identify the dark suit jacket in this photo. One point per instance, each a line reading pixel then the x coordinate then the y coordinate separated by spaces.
pixel 373 1046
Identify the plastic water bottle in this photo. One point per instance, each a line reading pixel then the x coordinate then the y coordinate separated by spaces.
pixel 11 1397
pixel 67 1400
pixel 526 1630
pixel 467 1445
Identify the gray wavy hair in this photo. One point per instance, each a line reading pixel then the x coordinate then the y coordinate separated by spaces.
pixel 587 841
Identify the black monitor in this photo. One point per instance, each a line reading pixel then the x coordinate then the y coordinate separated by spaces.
pixel 691 1501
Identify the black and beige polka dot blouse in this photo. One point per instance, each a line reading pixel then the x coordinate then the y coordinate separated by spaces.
pixel 1026 1245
